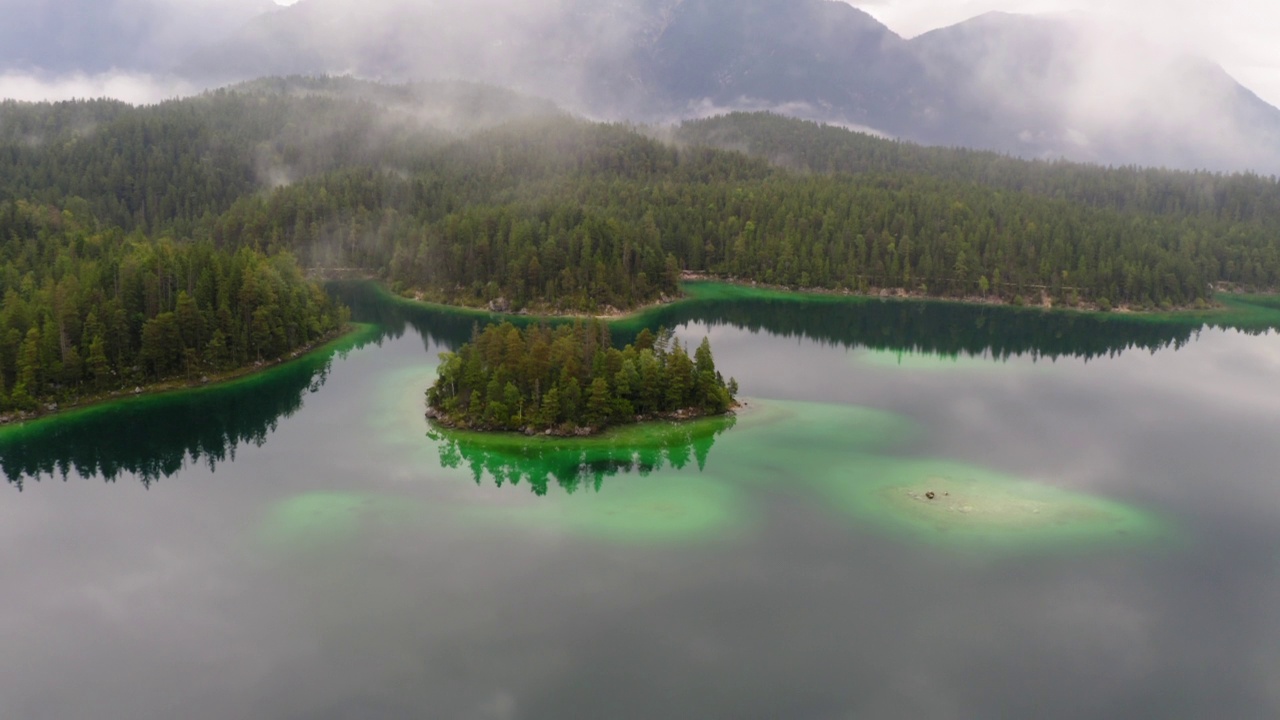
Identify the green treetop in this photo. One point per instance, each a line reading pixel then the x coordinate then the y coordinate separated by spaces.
pixel 572 377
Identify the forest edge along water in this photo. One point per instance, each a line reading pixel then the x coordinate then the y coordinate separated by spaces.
pixel 350 336
pixel 1245 312
pixel 1242 311
pixel 859 475
pixel 178 385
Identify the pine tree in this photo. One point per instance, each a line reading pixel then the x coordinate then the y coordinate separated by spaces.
pixel 599 405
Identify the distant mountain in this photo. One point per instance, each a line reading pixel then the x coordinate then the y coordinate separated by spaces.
pixel 1030 86
pixel 1054 86
pixel 639 59
pixel 809 57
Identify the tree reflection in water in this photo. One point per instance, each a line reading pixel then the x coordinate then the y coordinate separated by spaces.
pixel 574 463
pixel 152 437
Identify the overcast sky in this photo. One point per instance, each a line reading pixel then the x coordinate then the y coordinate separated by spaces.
pixel 1241 35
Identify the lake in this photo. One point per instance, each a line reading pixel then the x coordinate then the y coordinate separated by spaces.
pixel 1104 540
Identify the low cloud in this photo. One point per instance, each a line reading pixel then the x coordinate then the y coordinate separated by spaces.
pixel 98 36
pixel 1237 34
pixel 133 88
pixel 707 108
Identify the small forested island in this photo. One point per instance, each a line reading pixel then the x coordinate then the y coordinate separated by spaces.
pixel 571 380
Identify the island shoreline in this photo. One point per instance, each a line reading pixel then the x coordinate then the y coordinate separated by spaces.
pixel 1216 307
pixel 437 420
pixel 174 386
pixel 619 316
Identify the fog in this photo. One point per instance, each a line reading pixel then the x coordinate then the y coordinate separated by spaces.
pixel 93 36
pixel 96 36
pixel 1112 82
pixel 123 49
pixel 1238 34
pixel 1101 91
pixel 133 88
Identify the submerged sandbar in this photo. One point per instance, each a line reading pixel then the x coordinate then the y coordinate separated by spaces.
pixel 962 505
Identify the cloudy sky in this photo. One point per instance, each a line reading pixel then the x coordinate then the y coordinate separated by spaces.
pixel 1241 35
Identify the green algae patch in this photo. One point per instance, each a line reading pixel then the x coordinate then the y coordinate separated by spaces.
pixel 1247 313
pixel 320 519
pixel 790 437
pixel 842 455
pixel 644 483
pixel 662 482
pixel 1234 311
pixel 968 507
pixel 696 481
pixel 397 414
pixel 722 291
pixel 1241 311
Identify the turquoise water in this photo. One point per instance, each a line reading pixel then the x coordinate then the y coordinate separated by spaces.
pixel 304 545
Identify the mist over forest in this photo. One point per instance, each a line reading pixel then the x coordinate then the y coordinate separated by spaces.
pixel 587 158
pixel 1046 86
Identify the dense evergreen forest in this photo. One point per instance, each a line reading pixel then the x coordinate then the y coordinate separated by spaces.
pixel 476 196
pixel 617 225
pixel 168 165
pixel 809 147
pixel 571 378
pixel 86 310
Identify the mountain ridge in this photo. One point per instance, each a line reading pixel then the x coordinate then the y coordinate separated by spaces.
pixel 1033 86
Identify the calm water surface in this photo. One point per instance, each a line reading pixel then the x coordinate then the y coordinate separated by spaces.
pixel 299 546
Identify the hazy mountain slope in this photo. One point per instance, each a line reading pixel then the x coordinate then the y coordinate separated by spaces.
pixel 177 161
pixel 810 57
pixel 1032 86
pixel 812 148
pixel 562 50
pixel 1045 86
pixel 625 58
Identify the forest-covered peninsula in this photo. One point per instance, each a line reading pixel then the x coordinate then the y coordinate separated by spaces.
pixel 571 380
pixel 89 311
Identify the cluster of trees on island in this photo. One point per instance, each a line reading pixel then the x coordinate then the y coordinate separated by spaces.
pixel 571 379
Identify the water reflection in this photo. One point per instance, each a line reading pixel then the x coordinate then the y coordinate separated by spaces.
pixel 155 437
pixel 951 329
pixel 436 325
pixel 575 463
